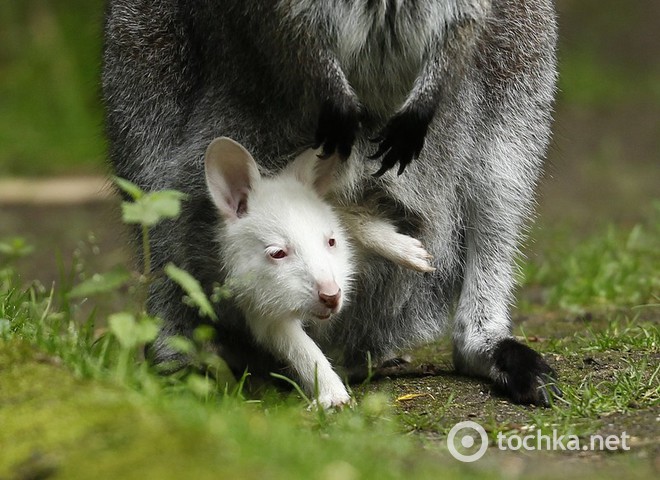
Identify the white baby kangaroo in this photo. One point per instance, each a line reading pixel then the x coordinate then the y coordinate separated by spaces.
pixel 288 255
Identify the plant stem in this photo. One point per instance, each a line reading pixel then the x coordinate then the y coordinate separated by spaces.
pixel 146 274
pixel 146 251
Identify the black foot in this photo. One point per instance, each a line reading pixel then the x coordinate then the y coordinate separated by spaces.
pixel 338 125
pixel 524 376
pixel 402 139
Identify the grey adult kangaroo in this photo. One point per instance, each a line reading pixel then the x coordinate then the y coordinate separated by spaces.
pixel 453 95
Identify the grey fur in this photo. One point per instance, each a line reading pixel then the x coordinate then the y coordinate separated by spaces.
pixel 179 73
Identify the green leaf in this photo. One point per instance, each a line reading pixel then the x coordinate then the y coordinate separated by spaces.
pixel 146 330
pixel 5 327
pixel 204 333
pixel 130 332
pixel 200 386
pixel 191 286
pixel 129 187
pixel 101 283
pixel 153 207
pixel 180 344
pixel 15 247
pixel 220 292
pixel 122 326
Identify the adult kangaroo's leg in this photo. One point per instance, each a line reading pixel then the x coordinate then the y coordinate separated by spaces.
pixel 512 109
pixel 483 344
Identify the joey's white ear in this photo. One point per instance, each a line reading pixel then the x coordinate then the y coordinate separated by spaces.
pixel 314 172
pixel 231 173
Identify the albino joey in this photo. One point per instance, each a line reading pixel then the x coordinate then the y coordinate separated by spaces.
pixel 288 258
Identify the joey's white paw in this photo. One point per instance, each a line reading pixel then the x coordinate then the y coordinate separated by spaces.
pixel 410 253
pixel 335 399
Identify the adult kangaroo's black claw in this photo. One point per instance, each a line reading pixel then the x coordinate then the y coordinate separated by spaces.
pixel 402 139
pixel 523 375
pixel 337 128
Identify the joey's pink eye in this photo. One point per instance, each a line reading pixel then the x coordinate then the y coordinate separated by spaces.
pixel 332 242
pixel 278 254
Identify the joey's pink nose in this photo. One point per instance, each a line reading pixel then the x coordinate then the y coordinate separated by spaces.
pixel 330 301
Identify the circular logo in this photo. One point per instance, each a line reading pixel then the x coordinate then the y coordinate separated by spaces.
pixel 466 441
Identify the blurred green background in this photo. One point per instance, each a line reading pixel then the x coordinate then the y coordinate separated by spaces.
pixel 51 119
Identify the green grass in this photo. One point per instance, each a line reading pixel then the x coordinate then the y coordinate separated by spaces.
pixel 80 401
pixel 619 335
pixel 603 374
pixel 90 429
pixel 606 387
pixel 73 407
pixel 614 269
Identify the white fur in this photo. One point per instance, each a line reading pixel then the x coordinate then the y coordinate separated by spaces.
pixel 278 296
pixel 380 237
pixel 286 215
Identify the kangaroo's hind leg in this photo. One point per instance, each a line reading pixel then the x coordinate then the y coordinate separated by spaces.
pixel 483 344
